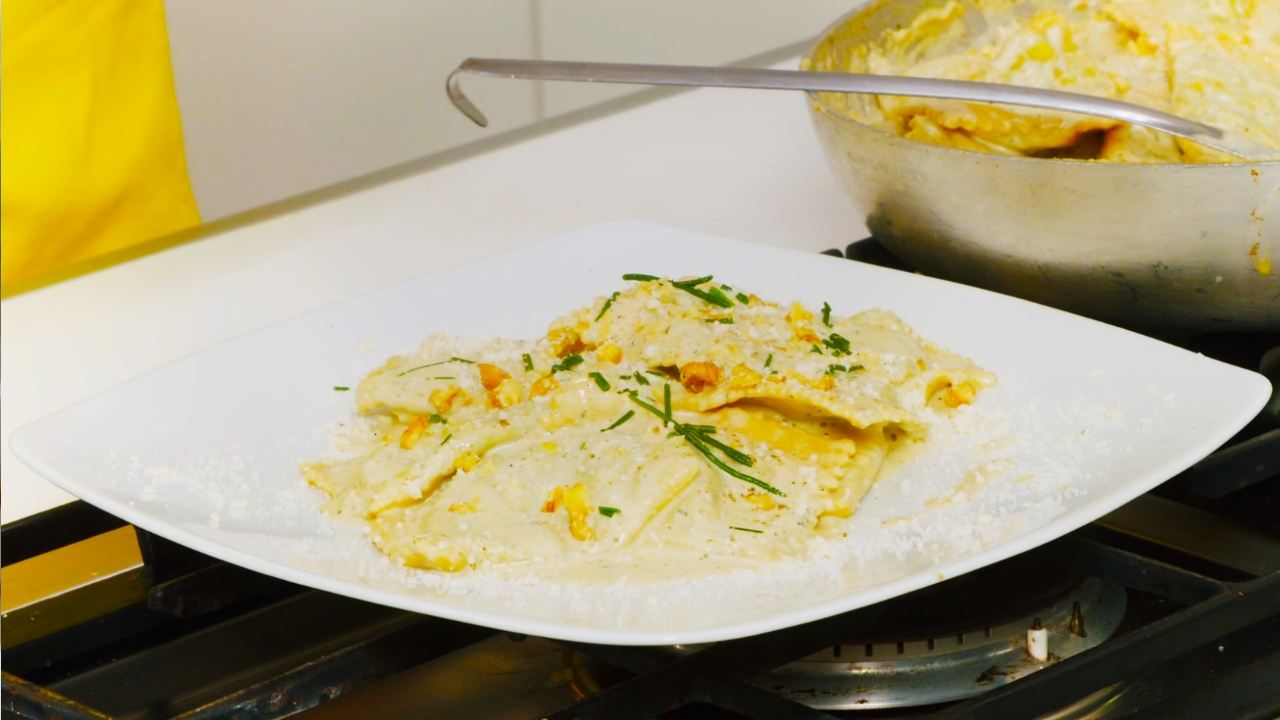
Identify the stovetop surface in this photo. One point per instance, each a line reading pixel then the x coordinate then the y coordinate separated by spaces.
pixel 1196 563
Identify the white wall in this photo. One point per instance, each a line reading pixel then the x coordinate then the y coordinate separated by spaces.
pixel 286 96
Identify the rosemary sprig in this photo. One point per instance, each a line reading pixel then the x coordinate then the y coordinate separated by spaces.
pixel 607 304
pixel 826 314
pixel 528 362
pixel 609 511
pixel 735 527
pixel 630 414
pixel 639 277
pixel 600 381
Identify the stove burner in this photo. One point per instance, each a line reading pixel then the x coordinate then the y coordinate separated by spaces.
pixel 951 641
pixel 924 671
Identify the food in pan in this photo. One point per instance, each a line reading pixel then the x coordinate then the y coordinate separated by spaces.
pixel 673 424
pixel 1214 62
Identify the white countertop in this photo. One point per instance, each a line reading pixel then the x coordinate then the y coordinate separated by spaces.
pixel 742 164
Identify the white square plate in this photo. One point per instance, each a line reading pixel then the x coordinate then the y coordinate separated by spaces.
pixel 205 451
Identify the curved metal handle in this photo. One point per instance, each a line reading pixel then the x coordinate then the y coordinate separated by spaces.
pixel 691 76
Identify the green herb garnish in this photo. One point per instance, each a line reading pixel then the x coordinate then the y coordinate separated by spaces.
pixel 641 379
pixel 833 369
pixel 607 304
pixel 528 362
pixel 712 295
pixel 855 368
pixel 742 298
pixel 640 278
pixel 735 527
pixel 722 321
pixel 826 314
pixel 446 438
pixel 815 349
pixel 630 414
pixel 442 362
pixel 437 419
pixel 839 346
pixel 568 363
pixel 608 511
pixel 769 360
pixel 686 284
pixel 655 372
pixel 701 441
pixel 600 381
pixel 341 388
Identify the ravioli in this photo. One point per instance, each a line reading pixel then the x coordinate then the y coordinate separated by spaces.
pixel 1214 61
pixel 670 424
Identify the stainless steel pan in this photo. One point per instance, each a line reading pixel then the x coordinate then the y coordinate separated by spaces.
pixel 1174 246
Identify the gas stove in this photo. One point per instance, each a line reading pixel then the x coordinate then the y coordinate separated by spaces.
pixel 1167 608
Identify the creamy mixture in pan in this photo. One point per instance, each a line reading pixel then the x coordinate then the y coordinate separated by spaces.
pixel 674 425
pixel 1214 61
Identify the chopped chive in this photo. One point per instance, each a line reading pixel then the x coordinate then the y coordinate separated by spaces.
pixel 437 419
pixel 725 288
pixel 443 377
pixel 666 403
pixel 528 362
pixel 641 379
pixel 442 362
pixel 600 381
pixel 607 304
pixel 855 368
pixel 712 295
pixel 583 446
pixel 683 284
pixel 630 414
pixel 609 511
pixel 839 346
pixel 826 314
pixel 722 321
pixel 699 441
pixel 639 278
pixel 341 388
pixel 708 429
pixel 655 372
pixel 742 298
pixel 624 377
pixel 815 349
pixel 735 527
pixel 446 438
pixel 568 363
pixel 833 369
pixel 769 360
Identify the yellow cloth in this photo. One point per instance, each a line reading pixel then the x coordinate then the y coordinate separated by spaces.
pixel 91 138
